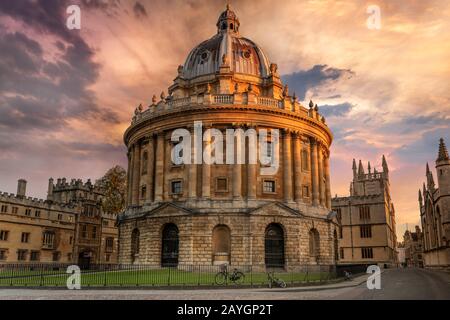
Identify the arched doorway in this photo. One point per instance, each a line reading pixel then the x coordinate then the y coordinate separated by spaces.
pixel 85 258
pixel 221 244
pixel 170 246
pixel 274 246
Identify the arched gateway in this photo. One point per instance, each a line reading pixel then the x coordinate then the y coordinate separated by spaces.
pixel 215 211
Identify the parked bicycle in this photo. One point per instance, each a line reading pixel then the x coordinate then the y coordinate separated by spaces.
pixel 347 275
pixel 223 276
pixel 273 281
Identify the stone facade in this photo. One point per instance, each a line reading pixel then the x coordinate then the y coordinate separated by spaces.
pixel 435 213
pixel 413 245
pixel 228 213
pixel 68 227
pixel 367 218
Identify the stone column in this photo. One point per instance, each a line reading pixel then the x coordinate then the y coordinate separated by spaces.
pixel 251 173
pixel 136 173
pixel 129 176
pixel 237 173
pixel 321 175
pixel 150 169
pixel 314 173
pixel 298 167
pixel 327 181
pixel 159 167
pixel 287 166
pixel 192 183
pixel 206 172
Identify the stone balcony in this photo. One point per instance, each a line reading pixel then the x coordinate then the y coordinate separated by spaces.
pixel 168 105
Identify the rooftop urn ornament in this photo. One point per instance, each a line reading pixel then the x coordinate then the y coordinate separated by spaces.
pixel 140 107
pixel 316 108
pixel 273 68
pixel 180 69
pixel 163 96
pixel 311 104
pixel 154 99
pixel 285 90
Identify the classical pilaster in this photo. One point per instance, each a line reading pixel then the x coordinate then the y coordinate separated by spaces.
pixel 327 181
pixel 297 167
pixel 159 167
pixel 314 173
pixel 136 172
pixel 192 183
pixel 287 166
pixel 321 175
pixel 150 169
pixel 237 173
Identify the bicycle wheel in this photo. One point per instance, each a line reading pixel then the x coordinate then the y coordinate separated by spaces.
pixel 220 278
pixel 238 277
pixel 281 283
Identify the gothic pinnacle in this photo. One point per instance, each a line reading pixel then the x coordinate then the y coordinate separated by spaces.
pixel 443 153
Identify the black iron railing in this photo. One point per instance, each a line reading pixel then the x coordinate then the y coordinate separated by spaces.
pixel 128 275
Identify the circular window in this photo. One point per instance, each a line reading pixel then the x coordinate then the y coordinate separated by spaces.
pixel 246 54
pixel 204 56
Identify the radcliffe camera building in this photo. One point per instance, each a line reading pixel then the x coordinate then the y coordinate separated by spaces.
pixel 228 213
pixel 434 201
pixel 67 227
pixel 367 219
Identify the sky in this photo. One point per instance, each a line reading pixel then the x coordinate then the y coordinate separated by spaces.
pixel 66 96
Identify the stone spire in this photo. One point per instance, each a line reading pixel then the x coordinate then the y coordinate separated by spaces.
pixel 420 198
pixel 443 153
pixel 430 179
pixel 355 174
pixel 384 164
pixel 369 168
pixel 360 168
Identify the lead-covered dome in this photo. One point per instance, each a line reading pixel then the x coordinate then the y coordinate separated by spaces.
pixel 227 46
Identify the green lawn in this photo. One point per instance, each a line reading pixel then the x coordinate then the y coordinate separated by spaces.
pixel 148 277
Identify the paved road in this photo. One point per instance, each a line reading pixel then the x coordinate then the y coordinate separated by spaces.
pixel 395 284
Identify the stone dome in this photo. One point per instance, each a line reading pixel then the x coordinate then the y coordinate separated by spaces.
pixel 227 47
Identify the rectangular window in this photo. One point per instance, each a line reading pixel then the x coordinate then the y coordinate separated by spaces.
pixel 176 187
pixel 269 186
pixel 84 231
pixel 2 254
pixel 34 256
pixel 143 191
pixel 364 213
pixel 222 184
pixel 4 209
pixel 338 213
pixel 71 240
pixel 56 256
pixel 305 191
pixel 37 214
pixel 94 232
pixel 109 244
pixel 367 253
pixel 341 232
pixel 365 231
pixel 107 257
pixel 21 255
pixel 105 223
pixel 60 216
pixel 269 149
pixel 305 160
pixel 15 210
pixel 341 253
pixel 48 241
pixel 25 237
pixel 4 235
pixel 28 212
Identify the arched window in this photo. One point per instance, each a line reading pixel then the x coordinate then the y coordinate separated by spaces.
pixel 135 239
pixel 170 246
pixel 144 162
pixel 305 160
pixel 221 245
pixel 314 244
pixel 231 26
pixel 224 26
pixel 274 246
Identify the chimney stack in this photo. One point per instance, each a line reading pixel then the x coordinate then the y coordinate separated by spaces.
pixel 21 188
